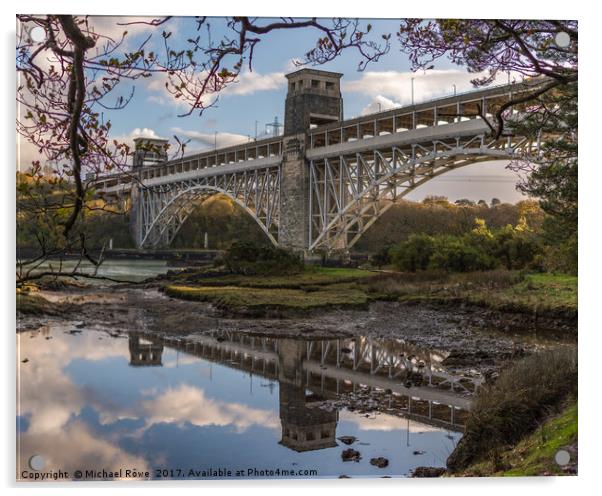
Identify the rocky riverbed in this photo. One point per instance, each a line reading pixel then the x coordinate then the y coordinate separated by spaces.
pixel 466 337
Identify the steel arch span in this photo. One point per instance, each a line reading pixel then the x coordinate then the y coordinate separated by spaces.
pixel 320 186
pixel 163 209
pixel 348 193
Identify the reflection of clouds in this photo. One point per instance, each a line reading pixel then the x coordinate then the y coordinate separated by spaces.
pixel 46 392
pixel 51 401
pixel 74 447
pixel 189 404
pixel 385 422
pixel 49 398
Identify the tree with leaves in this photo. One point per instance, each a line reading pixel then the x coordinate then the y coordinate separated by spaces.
pixel 527 49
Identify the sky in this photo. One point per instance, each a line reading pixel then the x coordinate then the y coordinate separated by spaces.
pixel 257 98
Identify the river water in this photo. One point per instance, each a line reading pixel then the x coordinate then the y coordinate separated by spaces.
pixel 96 399
pixel 89 400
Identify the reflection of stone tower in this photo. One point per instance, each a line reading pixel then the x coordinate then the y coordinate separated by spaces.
pixel 144 353
pixel 304 427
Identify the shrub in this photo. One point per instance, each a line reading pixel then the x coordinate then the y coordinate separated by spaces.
pixel 413 254
pixel 252 259
pixel 514 405
pixel 456 254
pixel 381 257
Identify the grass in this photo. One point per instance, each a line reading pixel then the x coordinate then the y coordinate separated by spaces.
pixel 541 293
pixel 503 290
pixel 266 300
pixel 534 455
pixel 311 276
pixel 32 304
pixel 498 289
pixel 514 406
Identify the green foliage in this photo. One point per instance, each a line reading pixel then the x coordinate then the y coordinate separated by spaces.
pixel 514 405
pixel 436 215
pixel 460 254
pixel 381 257
pixel 479 249
pixel 223 221
pixel 252 259
pixel 413 254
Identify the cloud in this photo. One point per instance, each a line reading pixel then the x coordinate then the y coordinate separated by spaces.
pixel 209 140
pixel 144 132
pixel 247 83
pixel 187 404
pixel 378 104
pixel 397 85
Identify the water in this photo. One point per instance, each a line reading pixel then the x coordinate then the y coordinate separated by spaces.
pixel 246 406
pixel 118 269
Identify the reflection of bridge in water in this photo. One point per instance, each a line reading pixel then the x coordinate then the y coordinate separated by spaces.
pixel 407 381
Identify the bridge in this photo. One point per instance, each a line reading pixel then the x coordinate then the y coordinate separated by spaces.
pixel 322 184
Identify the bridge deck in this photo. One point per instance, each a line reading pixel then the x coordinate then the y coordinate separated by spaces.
pixel 433 120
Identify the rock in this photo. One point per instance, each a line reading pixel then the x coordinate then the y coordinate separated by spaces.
pixel 379 462
pixel 351 455
pixel 348 440
pixel 428 472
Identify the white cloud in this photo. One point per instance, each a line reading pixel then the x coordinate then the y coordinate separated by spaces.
pixel 378 104
pixel 144 132
pixel 247 83
pixel 397 85
pixel 208 140
pixel 188 404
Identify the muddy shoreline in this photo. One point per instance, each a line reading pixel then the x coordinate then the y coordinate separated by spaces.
pixel 469 336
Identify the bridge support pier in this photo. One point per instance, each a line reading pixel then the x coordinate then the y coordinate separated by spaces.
pixel 136 215
pixel 293 229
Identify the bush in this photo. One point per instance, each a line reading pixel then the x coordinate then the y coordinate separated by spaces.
pixel 459 255
pixel 515 404
pixel 480 249
pixel 252 259
pixel 413 254
pixel 381 257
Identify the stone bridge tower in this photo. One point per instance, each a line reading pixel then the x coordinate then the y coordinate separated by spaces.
pixel 147 151
pixel 313 98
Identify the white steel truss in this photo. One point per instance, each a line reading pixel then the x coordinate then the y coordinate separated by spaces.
pixel 163 208
pixel 349 192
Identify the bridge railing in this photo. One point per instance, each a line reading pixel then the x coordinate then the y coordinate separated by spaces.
pixel 244 152
pixel 440 111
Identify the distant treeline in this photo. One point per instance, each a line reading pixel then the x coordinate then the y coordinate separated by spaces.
pixel 436 215
pixel 225 222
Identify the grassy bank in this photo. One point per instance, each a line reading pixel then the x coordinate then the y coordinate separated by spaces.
pixel 512 410
pixel 535 454
pixel 503 290
pixel 262 301
pixel 321 287
pixel 33 304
